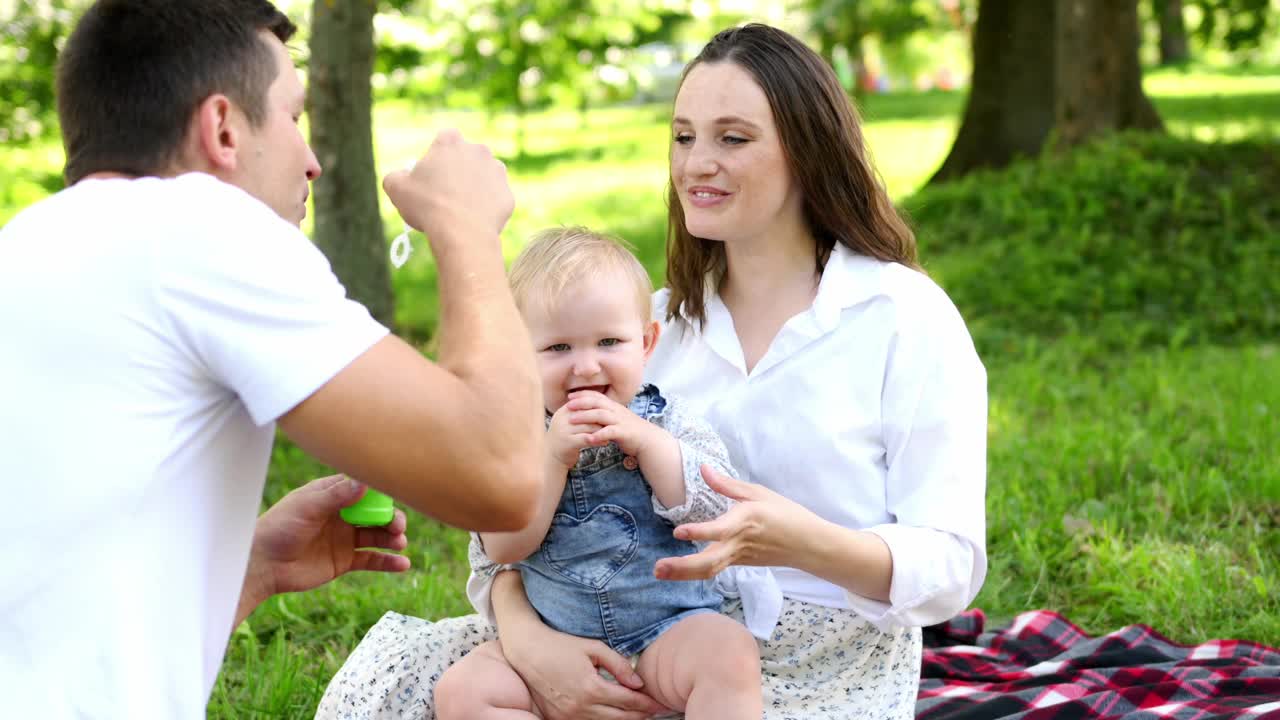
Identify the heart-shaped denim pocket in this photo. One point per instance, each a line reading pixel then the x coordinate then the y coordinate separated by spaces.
pixel 591 550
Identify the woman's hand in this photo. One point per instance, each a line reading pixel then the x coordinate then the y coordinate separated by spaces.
pixel 562 673
pixel 763 528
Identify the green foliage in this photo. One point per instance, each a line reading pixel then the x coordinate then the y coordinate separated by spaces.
pixel 846 24
pixel 889 19
pixel 519 55
pixel 28 173
pixel 33 31
pixel 1132 241
pixel 1233 24
pixel 1239 31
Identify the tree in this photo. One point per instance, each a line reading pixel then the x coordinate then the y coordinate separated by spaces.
pixel 1173 31
pixel 515 52
pixel 1234 25
pixel 1070 70
pixel 524 54
pixel 32 31
pixel 1011 99
pixel 348 226
pixel 846 23
pixel 1098 81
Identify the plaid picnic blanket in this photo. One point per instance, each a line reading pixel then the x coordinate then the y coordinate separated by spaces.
pixel 1042 667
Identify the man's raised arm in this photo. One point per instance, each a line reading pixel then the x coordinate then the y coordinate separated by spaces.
pixel 461 439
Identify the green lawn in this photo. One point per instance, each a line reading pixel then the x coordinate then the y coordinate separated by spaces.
pixel 1136 487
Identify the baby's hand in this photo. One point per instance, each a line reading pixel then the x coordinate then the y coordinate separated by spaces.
pixel 565 439
pixel 615 423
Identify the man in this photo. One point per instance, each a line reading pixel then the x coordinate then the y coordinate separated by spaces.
pixel 163 314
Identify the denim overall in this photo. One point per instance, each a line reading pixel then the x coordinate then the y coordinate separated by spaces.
pixel 593 575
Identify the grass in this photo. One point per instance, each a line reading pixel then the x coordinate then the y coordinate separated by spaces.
pixel 1123 487
pixel 1143 489
pixel 1138 489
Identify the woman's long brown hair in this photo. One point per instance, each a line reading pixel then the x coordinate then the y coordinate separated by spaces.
pixel 843 198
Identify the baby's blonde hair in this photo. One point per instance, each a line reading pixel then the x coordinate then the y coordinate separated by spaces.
pixel 558 257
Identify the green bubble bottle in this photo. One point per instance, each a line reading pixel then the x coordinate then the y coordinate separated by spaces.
pixel 373 509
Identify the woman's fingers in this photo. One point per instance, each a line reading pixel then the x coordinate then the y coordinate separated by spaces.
pixel 729 487
pixel 702 565
pixel 620 702
pixel 604 712
pixel 709 531
pixel 602 656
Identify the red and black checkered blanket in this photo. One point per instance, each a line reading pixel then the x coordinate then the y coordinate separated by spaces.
pixel 1042 667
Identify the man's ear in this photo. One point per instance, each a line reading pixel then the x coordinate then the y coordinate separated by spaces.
pixel 216 128
pixel 652 332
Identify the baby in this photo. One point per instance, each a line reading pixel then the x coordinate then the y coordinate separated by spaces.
pixel 622 465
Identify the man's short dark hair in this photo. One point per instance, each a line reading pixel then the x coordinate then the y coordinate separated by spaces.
pixel 133 72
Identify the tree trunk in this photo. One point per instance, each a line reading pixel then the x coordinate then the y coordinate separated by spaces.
pixel 861 76
pixel 348 226
pixel 852 34
pixel 1173 32
pixel 1010 107
pixel 1098 79
pixel 827 40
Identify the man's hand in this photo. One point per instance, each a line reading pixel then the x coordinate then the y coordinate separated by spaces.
pixel 301 543
pixel 454 182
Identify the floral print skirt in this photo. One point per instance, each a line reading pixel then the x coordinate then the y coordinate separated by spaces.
pixel 820 663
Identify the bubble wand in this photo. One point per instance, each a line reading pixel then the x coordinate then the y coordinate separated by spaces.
pixel 401 248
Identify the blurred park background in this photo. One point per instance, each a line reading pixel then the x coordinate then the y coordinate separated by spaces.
pixel 1096 183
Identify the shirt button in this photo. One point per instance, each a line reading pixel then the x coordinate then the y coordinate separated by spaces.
pixel 630 462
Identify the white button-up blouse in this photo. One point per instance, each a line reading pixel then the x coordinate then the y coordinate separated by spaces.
pixel 870 410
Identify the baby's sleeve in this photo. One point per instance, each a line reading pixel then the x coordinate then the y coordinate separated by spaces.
pixel 480 583
pixel 699 445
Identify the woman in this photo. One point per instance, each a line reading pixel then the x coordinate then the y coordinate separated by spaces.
pixel 843 382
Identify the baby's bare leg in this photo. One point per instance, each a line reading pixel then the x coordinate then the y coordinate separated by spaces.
pixel 483 686
pixel 707 666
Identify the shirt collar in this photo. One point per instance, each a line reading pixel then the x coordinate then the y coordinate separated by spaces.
pixel 709 293
pixel 849 278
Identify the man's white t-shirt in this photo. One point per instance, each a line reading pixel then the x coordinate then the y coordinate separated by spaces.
pixel 151 332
